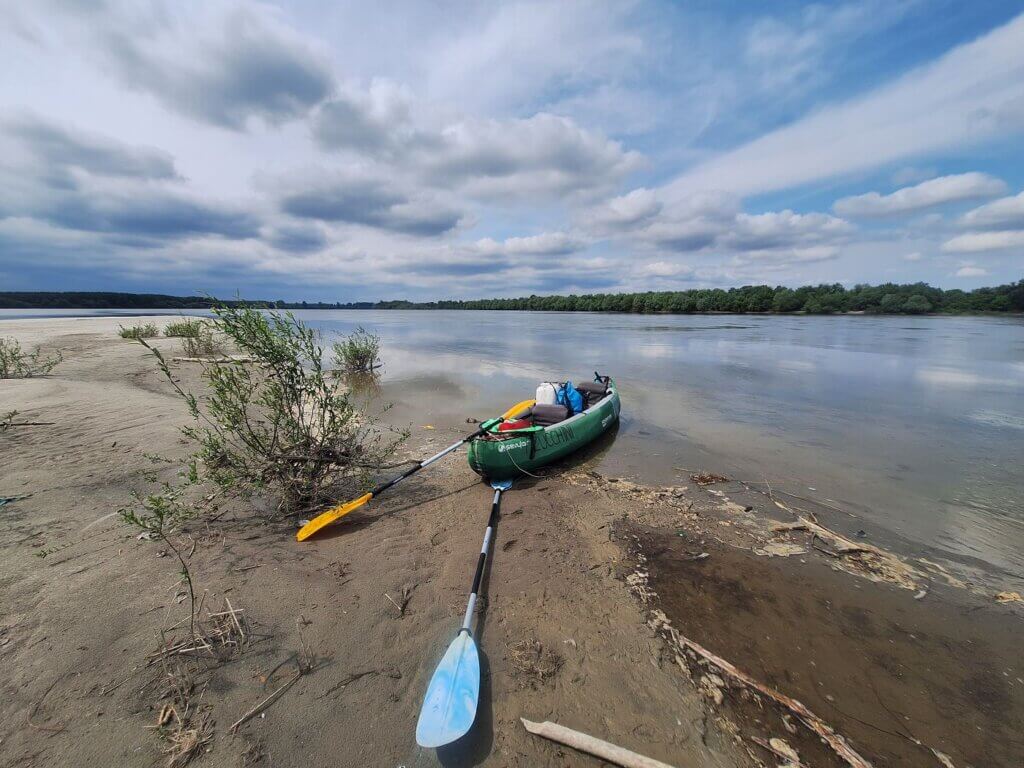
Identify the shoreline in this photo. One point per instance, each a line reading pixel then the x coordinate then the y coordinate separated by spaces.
pixel 563 580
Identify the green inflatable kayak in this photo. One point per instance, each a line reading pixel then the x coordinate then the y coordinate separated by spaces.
pixel 502 455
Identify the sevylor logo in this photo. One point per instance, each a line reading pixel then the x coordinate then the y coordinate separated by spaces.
pixel 512 445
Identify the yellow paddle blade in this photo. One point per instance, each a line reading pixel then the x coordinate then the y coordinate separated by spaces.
pixel 518 408
pixel 330 516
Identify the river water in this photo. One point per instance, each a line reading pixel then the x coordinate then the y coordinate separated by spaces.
pixel 913 425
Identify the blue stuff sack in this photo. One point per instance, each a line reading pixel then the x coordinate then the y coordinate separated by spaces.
pixel 570 397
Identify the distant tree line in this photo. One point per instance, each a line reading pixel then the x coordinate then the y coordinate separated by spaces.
pixel 108 300
pixel 825 299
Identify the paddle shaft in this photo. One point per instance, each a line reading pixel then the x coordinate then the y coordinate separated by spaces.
pixel 412 471
pixel 478 576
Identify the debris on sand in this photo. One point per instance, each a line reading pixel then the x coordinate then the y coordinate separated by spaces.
pixel 780 549
pixel 699 655
pixel 1009 597
pixel 532 663
pixel 781 748
pixel 854 557
pixel 187 728
pixel 708 478
pixel 221 635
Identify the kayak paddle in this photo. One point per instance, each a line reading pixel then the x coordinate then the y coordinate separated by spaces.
pixel 334 513
pixel 449 707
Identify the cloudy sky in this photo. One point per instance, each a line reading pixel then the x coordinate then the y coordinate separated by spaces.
pixel 333 151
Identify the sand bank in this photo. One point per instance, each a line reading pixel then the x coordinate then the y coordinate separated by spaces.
pixel 85 602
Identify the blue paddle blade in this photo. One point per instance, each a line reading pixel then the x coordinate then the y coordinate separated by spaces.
pixel 503 485
pixel 449 707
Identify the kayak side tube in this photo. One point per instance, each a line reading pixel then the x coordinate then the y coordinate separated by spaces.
pixel 506 455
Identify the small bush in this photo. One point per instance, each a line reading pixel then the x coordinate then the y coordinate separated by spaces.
pixel 203 344
pixel 16 363
pixel 281 425
pixel 187 329
pixel 360 351
pixel 147 331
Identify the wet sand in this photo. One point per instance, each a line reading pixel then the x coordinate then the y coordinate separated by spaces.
pixel 883 668
pixel 564 579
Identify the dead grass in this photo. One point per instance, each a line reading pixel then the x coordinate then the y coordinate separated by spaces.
pixel 185 725
pixel 532 663
pixel 708 478
pixel 219 635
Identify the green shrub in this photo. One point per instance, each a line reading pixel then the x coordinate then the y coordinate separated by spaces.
pixel 203 344
pixel 359 351
pixel 16 363
pixel 188 329
pixel 281 425
pixel 147 331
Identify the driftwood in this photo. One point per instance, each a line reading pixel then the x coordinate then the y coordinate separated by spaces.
pixel 215 360
pixel 779 752
pixel 591 745
pixel 811 720
pixel 842 544
pixel 266 702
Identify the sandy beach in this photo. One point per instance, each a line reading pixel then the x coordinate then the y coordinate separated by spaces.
pixel 599 591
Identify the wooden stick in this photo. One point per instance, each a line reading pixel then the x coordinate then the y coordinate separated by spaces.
pixel 216 360
pixel 811 720
pixel 766 745
pixel 234 616
pixel 266 702
pixel 591 745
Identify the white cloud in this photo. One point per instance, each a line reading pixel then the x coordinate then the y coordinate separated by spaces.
pixel 1006 213
pixel 624 212
pixel 218 62
pixel 927 194
pixel 664 269
pixel 524 48
pixel 915 256
pixel 783 229
pixel 971 272
pixel 546 244
pixel 976 242
pixel 972 93
pixel 488 158
pixel 790 55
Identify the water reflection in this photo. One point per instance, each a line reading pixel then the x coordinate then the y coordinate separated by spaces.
pixel 913 424
pixel 888 416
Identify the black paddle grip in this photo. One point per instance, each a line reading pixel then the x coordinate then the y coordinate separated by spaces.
pixel 491 523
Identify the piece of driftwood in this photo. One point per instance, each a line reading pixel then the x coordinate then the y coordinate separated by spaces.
pixel 216 360
pixel 779 752
pixel 827 734
pixel 591 745
pixel 266 702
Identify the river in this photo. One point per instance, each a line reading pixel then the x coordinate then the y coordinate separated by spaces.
pixel 914 425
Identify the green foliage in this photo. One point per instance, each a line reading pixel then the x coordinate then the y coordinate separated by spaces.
pixel 160 515
pixel 916 305
pixel 359 351
pixel 188 329
pixel 203 344
pixel 827 298
pixel 16 363
pixel 282 425
pixel 136 332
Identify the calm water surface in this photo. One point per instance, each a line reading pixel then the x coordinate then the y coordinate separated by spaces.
pixel 915 425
